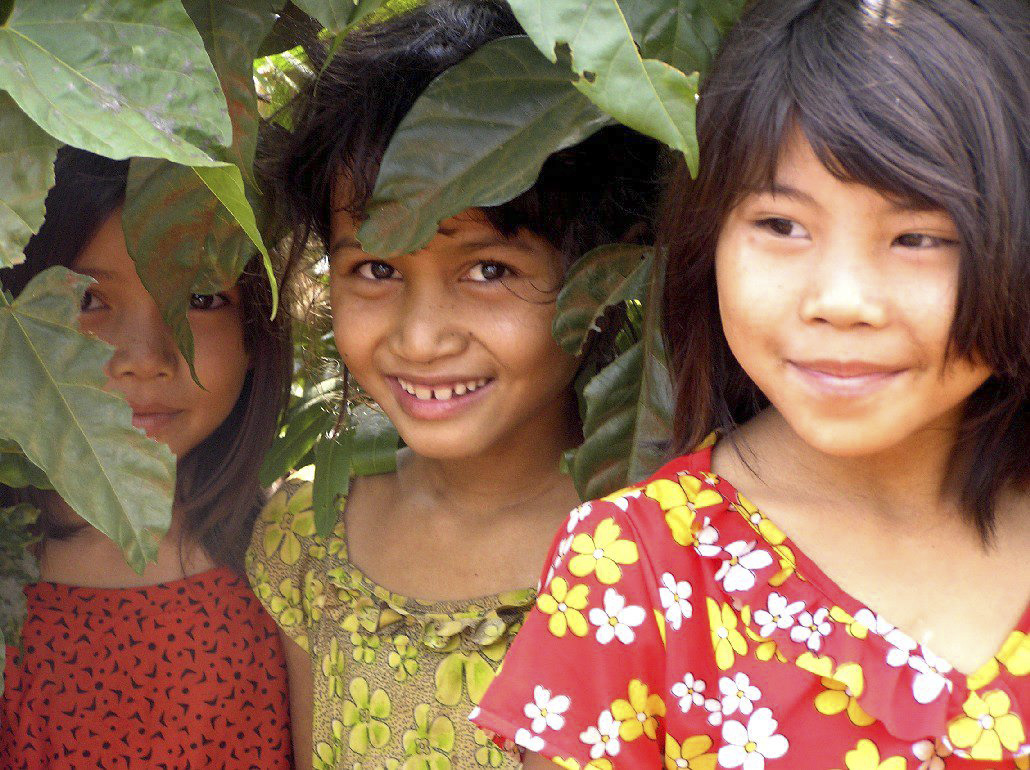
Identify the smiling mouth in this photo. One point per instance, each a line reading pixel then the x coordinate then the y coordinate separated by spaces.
pixel 151 422
pixel 444 392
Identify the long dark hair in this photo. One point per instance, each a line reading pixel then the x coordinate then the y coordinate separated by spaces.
pixel 925 101
pixel 217 491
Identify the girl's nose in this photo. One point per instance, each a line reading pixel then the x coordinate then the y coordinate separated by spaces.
pixel 143 345
pixel 428 326
pixel 845 290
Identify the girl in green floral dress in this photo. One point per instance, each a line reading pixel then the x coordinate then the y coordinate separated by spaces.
pixel 397 622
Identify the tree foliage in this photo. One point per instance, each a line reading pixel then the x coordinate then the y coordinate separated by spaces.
pixel 181 87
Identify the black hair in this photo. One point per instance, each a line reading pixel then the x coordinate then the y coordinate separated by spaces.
pixel 217 491
pixel 597 192
pixel 925 101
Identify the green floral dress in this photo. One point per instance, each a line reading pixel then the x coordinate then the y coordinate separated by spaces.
pixel 394 678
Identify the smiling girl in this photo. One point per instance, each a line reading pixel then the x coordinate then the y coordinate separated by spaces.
pixel 848 309
pixel 395 624
pixel 178 666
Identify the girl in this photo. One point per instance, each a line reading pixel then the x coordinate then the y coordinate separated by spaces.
pixel 179 666
pixel 396 623
pixel 849 309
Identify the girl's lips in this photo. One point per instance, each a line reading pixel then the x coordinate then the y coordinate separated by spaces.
pixel 152 422
pixel 436 409
pixel 844 381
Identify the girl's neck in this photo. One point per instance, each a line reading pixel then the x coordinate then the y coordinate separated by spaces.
pixel 904 485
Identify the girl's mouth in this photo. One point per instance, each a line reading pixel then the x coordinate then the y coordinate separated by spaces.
pixel 153 422
pixel 847 380
pixel 437 401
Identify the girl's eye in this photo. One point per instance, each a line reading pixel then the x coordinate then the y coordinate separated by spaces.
pixel 207 301
pixel 786 228
pixel 89 302
pixel 376 271
pixel 922 241
pixel 489 271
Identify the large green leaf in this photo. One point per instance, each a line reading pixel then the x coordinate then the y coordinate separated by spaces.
pixel 477 136
pixel 26 173
pixel 309 418
pixel 683 33
pixel 629 406
pixel 375 442
pixel 181 238
pixel 17 568
pixel 117 77
pixel 16 470
pixel 52 404
pixel 646 94
pixel 606 276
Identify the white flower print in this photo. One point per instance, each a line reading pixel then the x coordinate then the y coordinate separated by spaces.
pixel 706 538
pixel 931 754
pixel 780 614
pixel 749 747
pixel 931 676
pixel 714 708
pixel 622 501
pixel 616 620
pixel 603 739
pixel 690 692
pixel 811 628
pixel 873 622
pixel 577 515
pixel 738 694
pixel 527 740
pixel 563 550
pixel 546 711
pixel 902 647
pixel 675 598
pixel 737 572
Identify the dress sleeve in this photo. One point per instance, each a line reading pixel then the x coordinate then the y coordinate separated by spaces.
pixel 283 555
pixel 582 683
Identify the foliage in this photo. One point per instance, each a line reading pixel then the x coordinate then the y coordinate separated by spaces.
pixel 181 87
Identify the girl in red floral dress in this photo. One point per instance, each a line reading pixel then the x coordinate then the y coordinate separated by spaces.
pixel 848 311
pixel 179 666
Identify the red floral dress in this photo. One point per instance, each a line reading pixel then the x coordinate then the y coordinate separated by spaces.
pixel 185 674
pixel 676 623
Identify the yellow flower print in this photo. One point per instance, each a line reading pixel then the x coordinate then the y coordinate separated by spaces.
pixel 287 606
pixel 987 726
pixel 287 518
pixel 364 647
pixel 726 639
pixel 639 714
pixel 365 715
pixel 313 596
pixel 334 668
pixel 692 754
pixel 602 553
pixel 402 659
pixel 487 755
pixel 326 756
pixel 1015 654
pixel 843 689
pixel 594 764
pixel 865 756
pixel 680 502
pixel 764 649
pixel 429 745
pixel 565 606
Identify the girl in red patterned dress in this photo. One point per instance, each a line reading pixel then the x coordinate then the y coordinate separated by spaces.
pixel 178 666
pixel 848 310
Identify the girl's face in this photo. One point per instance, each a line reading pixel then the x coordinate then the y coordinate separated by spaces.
pixel 454 341
pixel 838 302
pixel 146 366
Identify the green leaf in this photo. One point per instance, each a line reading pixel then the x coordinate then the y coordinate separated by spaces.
pixel 332 478
pixel 54 406
pixel 117 77
pixel 606 276
pixel 683 33
pixel 648 95
pixel 16 471
pixel 304 424
pixel 629 406
pixel 181 238
pixel 337 15
pixel 477 136
pixel 18 567
pixel 375 442
pixel 26 174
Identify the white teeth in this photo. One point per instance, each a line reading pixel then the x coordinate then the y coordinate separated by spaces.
pixel 445 393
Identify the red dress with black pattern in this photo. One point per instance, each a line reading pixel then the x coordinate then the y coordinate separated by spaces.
pixel 678 627
pixel 185 674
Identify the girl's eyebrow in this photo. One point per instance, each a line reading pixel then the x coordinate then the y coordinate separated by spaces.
pixel 781 190
pixel 344 243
